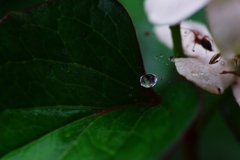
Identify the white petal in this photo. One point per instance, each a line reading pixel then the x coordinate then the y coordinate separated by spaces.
pixel 170 12
pixel 224 20
pixel 205 76
pixel 164 35
pixel 236 90
pixel 188 41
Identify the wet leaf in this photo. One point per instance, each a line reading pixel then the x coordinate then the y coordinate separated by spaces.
pixel 139 132
pixel 15 5
pixel 66 67
pixel 62 61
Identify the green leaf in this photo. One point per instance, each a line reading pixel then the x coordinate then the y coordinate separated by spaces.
pixel 213 135
pixel 66 67
pixel 65 56
pixel 231 113
pixel 132 133
pixel 15 5
pixel 62 61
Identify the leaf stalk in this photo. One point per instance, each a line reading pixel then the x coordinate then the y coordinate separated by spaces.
pixel 177 41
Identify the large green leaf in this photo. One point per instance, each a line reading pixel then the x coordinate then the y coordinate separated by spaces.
pixel 64 66
pixel 15 5
pixel 68 55
pixel 139 132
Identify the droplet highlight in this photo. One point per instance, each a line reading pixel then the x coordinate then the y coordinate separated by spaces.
pixel 148 80
pixel 215 59
pixel 171 58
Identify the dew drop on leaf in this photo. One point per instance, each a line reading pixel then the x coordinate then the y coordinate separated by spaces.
pixel 148 80
pixel 171 58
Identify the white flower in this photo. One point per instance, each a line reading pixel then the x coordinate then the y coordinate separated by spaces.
pixel 170 12
pixel 224 21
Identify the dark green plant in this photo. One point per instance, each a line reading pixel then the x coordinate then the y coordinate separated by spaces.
pixel 69 77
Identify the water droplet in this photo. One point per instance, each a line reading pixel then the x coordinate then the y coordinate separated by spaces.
pixel 130 95
pixel 215 59
pixel 222 63
pixel 148 80
pixel 161 79
pixel 161 55
pixel 171 58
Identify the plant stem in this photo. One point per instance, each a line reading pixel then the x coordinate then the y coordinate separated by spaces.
pixel 177 41
pixel 190 144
